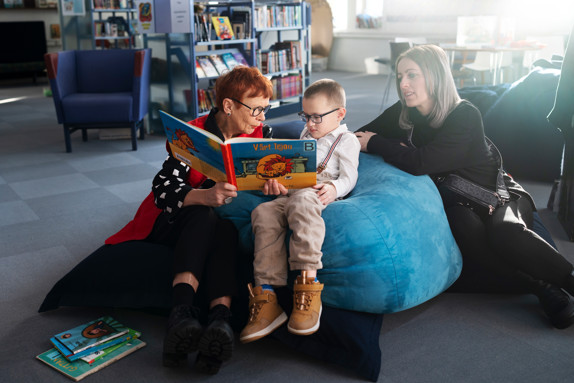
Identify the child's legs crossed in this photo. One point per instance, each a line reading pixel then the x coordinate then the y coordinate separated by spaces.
pixel 270 252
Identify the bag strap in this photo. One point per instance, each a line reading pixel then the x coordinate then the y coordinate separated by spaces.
pixel 323 164
pixel 500 185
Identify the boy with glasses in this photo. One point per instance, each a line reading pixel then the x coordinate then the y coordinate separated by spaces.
pixel 300 210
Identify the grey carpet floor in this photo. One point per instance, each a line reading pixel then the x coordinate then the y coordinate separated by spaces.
pixel 57 207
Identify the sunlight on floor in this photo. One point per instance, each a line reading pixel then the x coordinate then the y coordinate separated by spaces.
pixel 9 100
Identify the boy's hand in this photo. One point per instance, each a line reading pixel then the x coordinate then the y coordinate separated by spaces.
pixel 327 193
pixel 273 187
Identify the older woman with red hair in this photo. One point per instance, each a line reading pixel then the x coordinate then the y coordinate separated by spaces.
pixel 179 213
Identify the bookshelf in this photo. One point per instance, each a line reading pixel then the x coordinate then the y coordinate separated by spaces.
pixel 99 24
pixel 283 51
pixel 113 24
pixel 186 91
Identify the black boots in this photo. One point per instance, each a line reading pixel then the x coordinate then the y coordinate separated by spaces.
pixel 557 305
pixel 185 335
pixel 182 335
pixel 216 344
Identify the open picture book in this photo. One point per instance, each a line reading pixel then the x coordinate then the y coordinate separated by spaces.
pixel 244 162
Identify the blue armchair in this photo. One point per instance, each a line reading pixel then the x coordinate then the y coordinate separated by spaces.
pixel 96 89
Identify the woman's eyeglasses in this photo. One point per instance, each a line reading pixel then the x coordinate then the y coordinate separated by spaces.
pixel 315 118
pixel 254 111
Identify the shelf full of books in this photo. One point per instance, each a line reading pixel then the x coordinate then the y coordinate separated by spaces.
pixel 114 23
pixel 285 15
pixel 224 34
pixel 283 51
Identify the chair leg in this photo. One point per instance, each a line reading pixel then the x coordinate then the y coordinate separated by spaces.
pixel 67 139
pixel 142 130
pixel 84 135
pixel 134 135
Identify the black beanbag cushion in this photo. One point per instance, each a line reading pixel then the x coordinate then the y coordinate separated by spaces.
pixel 138 275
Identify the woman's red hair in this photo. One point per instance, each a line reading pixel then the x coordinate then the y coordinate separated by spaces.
pixel 242 82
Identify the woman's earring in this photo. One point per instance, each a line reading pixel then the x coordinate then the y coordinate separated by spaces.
pixel 229 113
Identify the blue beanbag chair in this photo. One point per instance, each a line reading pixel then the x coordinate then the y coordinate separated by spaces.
pixel 388 245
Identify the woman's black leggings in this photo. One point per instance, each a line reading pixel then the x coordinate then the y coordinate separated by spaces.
pixel 204 245
pixel 505 244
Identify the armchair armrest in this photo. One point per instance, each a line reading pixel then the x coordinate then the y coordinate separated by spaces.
pixel 142 68
pixel 61 68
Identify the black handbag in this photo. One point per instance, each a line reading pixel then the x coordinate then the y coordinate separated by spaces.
pixel 455 189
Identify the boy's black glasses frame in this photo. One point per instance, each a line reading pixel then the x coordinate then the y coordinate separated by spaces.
pixel 315 118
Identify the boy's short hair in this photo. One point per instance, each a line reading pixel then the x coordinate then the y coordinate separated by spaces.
pixel 329 88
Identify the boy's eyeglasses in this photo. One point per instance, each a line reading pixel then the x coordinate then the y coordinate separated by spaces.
pixel 254 111
pixel 315 118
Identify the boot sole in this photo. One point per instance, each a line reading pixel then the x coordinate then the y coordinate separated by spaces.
pixel 266 331
pixel 307 331
pixel 179 341
pixel 217 342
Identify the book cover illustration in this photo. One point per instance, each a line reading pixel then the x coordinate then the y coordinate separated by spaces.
pixel 229 60
pixel 79 369
pixel 244 162
pixel 90 334
pixel 96 355
pixel 240 58
pixel 207 66
pixel 222 27
pixel 199 70
pixel 70 356
pixel 218 63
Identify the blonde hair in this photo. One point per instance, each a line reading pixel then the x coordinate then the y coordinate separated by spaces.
pixel 439 83
pixel 329 88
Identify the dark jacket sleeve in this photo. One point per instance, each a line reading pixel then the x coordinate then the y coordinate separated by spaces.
pixel 459 143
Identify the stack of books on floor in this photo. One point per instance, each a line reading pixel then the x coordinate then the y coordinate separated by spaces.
pixel 85 349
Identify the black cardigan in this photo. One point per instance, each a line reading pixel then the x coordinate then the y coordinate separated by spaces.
pixel 458 146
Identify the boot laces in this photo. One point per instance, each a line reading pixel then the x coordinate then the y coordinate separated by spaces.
pixel 303 300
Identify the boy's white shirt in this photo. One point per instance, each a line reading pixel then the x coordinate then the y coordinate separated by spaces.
pixel 342 168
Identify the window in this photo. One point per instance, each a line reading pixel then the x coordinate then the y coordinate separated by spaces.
pixel 347 13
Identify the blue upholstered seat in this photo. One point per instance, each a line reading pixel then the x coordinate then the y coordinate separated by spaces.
pixel 388 245
pixel 100 89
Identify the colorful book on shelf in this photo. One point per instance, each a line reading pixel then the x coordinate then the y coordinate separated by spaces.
pixel 240 59
pixel 218 63
pixel 243 161
pixel 229 60
pixel 199 70
pixel 85 336
pixel 222 27
pixel 101 346
pixel 207 66
pixel 79 369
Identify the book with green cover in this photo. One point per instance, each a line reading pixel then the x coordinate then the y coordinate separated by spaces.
pixel 79 369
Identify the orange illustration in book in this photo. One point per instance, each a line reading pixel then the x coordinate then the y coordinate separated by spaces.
pixel 97 330
pixel 274 165
pixel 183 141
